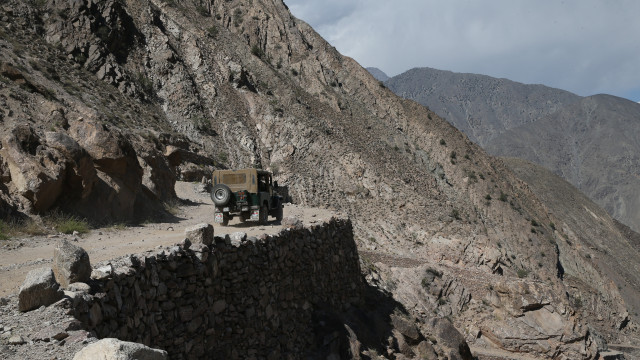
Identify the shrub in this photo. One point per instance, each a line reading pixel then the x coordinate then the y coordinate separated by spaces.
pixel 442 142
pixel 488 197
pixel 453 155
pixel 257 51
pixel 503 197
pixel 213 31
pixel 294 72
pixel 534 222
pixel 522 273
pixel 455 214
pixel 553 226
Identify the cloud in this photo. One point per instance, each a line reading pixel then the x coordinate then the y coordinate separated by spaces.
pixel 584 46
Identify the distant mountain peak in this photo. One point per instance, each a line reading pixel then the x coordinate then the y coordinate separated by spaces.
pixel 378 74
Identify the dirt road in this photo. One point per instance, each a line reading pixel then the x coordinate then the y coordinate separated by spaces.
pixel 19 256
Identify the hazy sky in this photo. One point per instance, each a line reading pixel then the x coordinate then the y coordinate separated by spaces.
pixel 584 46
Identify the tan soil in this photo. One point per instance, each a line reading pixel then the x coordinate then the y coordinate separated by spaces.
pixel 107 243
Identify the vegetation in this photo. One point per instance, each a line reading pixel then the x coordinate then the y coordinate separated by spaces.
pixel 522 273
pixel 213 31
pixel 455 214
pixel 257 51
pixel 442 142
pixel 503 197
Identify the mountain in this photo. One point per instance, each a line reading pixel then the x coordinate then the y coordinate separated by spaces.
pixel 492 111
pixel 611 245
pixel 378 74
pixel 480 106
pixel 105 104
pixel 592 143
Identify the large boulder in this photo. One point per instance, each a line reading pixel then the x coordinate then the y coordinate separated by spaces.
pixel 39 288
pixel 114 349
pixel 119 175
pixel 37 172
pixel 70 263
pixel 157 175
pixel 81 175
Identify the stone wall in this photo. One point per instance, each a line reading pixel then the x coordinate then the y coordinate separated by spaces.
pixel 237 298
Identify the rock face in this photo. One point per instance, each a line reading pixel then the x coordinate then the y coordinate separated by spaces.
pixel 114 349
pixel 70 263
pixel 39 288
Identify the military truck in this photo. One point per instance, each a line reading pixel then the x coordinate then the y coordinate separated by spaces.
pixel 247 193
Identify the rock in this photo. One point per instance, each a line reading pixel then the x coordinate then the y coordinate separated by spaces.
pixel 449 337
pixel 425 350
pixel 16 340
pixel 39 288
pixel 237 238
pixel 157 175
pixel 291 222
pixel 201 233
pixel 114 349
pixel 70 263
pixel 119 173
pixel 406 328
pixel 37 172
pixel 79 287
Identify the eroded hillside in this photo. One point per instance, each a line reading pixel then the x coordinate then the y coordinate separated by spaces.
pixel 107 103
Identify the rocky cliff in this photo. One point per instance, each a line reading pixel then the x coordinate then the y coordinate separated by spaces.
pixel 106 103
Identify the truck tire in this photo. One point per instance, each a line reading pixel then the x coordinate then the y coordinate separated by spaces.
pixel 278 213
pixel 263 215
pixel 221 194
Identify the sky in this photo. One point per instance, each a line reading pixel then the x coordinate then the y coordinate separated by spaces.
pixel 584 46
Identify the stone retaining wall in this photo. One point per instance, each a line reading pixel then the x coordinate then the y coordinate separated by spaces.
pixel 251 298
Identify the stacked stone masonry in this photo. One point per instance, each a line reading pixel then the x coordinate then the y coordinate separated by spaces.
pixel 234 299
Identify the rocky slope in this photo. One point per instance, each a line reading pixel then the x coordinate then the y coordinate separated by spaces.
pixel 105 104
pixel 593 144
pixel 548 126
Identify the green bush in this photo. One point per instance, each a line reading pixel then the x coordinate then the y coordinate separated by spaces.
pixel 522 273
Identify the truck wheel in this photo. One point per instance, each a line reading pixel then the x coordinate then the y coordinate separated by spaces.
pixel 221 194
pixel 225 219
pixel 278 213
pixel 263 216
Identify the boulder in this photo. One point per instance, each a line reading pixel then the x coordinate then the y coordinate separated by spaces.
pixel 39 288
pixel 70 263
pixel 81 175
pixel 114 349
pixel 37 172
pixel 451 339
pixel 157 176
pixel 119 174
pixel 200 234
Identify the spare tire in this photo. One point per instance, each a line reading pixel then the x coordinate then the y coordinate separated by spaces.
pixel 221 194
